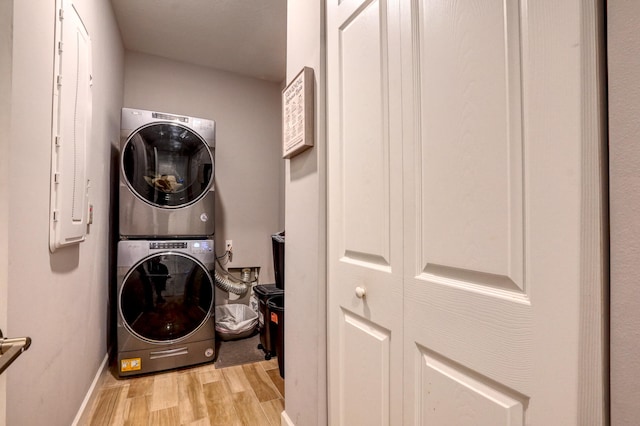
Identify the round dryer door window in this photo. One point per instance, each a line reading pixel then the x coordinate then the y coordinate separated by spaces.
pixel 167 165
pixel 166 297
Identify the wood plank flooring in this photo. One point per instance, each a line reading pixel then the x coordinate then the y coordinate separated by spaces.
pixel 244 395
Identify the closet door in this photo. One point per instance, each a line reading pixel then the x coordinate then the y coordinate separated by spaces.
pixel 365 213
pixel 503 289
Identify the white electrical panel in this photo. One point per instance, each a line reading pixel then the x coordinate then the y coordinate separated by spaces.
pixel 71 129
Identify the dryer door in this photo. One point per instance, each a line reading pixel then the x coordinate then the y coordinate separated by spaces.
pixel 167 165
pixel 166 297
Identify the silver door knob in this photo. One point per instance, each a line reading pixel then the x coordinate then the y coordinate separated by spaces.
pixel 360 292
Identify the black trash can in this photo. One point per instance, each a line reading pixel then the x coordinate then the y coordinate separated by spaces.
pixel 267 338
pixel 277 241
pixel 276 308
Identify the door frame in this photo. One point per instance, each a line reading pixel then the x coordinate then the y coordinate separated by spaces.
pixel 6 63
pixel 623 49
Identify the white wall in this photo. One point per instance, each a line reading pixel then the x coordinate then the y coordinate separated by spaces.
pixel 305 223
pixel 248 148
pixel 59 300
pixel 624 127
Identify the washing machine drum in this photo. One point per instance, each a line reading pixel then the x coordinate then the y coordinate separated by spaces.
pixel 166 298
pixel 167 165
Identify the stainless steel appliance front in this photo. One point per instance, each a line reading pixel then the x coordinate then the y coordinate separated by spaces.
pixel 167 165
pixel 165 303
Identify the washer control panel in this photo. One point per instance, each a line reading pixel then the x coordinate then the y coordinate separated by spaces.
pixel 195 247
pixel 202 247
pixel 167 245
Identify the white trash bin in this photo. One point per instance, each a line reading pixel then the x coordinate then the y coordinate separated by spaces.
pixel 235 321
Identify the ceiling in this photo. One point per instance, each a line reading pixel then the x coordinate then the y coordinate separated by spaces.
pixel 246 37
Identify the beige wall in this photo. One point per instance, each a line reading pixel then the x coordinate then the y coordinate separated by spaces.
pixel 60 300
pixel 6 17
pixel 305 222
pixel 624 127
pixel 249 186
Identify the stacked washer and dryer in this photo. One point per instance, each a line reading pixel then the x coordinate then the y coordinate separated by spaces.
pixel 166 257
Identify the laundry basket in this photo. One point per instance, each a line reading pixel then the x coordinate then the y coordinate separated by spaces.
pixel 235 321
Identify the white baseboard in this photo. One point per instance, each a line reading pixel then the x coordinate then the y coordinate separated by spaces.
pixel 285 420
pixel 89 396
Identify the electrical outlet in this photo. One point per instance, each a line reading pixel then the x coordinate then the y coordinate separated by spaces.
pixel 229 245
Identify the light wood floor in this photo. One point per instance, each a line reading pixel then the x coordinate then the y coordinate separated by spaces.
pixel 250 394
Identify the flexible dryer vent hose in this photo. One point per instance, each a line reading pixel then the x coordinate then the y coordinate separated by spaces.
pixel 225 284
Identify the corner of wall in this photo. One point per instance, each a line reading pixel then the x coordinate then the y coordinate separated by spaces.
pixel 285 420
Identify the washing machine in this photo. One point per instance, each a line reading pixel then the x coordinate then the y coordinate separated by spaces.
pixel 166 175
pixel 165 305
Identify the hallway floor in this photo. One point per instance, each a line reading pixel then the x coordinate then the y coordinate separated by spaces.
pixel 250 394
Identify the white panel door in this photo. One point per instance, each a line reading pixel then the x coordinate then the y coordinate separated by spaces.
pixel 503 214
pixel 365 213
pixel 465 200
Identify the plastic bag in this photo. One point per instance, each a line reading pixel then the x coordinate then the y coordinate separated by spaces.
pixel 235 320
pixel 279 237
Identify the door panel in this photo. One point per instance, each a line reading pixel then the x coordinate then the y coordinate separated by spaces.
pixel 471 140
pixel 365 210
pixel 454 395
pixel 364 141
pixel 365 379
pixel 494 227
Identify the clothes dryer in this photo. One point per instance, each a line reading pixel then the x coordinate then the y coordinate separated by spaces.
pixel 165 305
pixel 166 175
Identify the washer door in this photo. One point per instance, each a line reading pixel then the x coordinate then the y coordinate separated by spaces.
pixel 167 165
pixel 166 297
